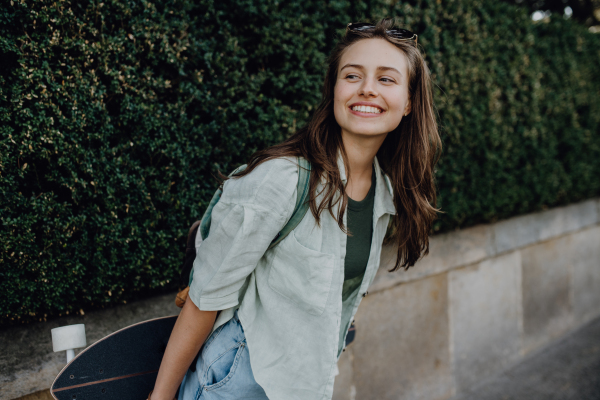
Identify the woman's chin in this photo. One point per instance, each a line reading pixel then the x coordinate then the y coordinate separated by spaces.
pixel 367 133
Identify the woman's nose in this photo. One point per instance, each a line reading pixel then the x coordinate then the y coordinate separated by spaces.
pixel 367 88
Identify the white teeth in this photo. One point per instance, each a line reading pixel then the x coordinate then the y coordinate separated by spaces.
pixel 366 109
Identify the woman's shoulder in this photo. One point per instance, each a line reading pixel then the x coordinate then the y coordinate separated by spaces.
pixel 272 185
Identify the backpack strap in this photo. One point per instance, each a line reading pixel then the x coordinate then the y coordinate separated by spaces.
pixel 206 218
pixel 302 205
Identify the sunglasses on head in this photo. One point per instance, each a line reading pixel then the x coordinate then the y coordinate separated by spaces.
pixel 397 33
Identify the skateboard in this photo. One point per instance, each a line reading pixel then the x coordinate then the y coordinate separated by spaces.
pixel 123 365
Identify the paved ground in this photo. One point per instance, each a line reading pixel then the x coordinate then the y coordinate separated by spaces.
pixel 568 370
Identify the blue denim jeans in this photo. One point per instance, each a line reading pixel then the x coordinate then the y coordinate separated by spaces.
pixel 223 369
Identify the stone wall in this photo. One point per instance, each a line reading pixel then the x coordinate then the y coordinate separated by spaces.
pixel 484 297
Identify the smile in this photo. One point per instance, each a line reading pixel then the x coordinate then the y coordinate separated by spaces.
pixel 366 109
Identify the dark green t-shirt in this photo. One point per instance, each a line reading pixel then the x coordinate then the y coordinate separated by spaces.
pixel 360 225
pixel 358 247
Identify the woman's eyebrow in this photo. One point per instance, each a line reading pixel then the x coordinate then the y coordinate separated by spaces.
pixel 389 69
pixel 381 68
pixel 357 66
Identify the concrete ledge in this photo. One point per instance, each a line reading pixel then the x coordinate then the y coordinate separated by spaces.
pixel 27 363
pixel 521 231
pixel 468 246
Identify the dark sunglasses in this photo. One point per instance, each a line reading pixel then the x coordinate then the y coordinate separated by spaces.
pixel 397 33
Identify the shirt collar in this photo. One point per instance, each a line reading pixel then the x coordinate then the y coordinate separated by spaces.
pixel 384 194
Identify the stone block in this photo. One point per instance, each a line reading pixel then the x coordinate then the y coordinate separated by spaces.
pixel 524 230
pixel 580 215
pixel 446 251
pixel 585 261
pixel 401 350
pixel 547 307
pixel 27 362
pixel 485 312
pixel 518 232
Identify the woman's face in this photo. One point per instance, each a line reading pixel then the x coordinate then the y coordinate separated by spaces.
pixel 371 91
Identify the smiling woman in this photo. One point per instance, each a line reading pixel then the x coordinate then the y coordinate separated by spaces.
pixel 271 322
pixel 371 99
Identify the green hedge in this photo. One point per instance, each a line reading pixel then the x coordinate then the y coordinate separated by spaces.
pixel 115 117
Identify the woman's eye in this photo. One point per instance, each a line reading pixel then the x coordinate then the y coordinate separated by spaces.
pixel 351 76
pixel 387 80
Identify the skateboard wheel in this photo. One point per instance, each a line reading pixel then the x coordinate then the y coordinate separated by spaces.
pixel 68 337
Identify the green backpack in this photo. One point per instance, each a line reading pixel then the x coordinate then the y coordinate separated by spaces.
pixel 204 224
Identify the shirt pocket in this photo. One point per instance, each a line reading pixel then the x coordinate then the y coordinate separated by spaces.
pixel 301 275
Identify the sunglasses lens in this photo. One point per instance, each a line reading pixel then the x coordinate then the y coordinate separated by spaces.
pixel 401 33
pixel 397 33
pixel 360 26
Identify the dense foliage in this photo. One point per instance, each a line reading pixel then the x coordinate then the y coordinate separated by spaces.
pixel 116 116
pixel 586 12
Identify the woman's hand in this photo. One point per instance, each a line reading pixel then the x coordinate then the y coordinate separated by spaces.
pixel 189 333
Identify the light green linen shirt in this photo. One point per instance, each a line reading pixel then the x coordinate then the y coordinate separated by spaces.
pixel 289 297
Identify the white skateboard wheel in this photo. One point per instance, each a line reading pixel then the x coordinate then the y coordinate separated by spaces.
pixel 68 337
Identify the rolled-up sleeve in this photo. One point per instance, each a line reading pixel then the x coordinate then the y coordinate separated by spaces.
pixel 251 212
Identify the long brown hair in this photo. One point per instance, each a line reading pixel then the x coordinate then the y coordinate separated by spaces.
pixel 407 155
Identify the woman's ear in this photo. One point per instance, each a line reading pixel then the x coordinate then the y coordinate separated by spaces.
pixel 407 109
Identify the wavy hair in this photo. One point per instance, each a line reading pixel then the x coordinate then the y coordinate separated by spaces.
pixel 408 154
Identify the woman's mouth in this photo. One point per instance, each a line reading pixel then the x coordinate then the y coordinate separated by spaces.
pixel 365 110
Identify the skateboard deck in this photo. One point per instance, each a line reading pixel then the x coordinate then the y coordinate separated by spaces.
pixel 123 365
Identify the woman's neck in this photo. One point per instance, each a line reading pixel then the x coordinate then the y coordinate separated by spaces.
pixel 361 151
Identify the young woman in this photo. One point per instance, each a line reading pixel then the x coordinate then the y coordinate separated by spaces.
pixel 284 312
